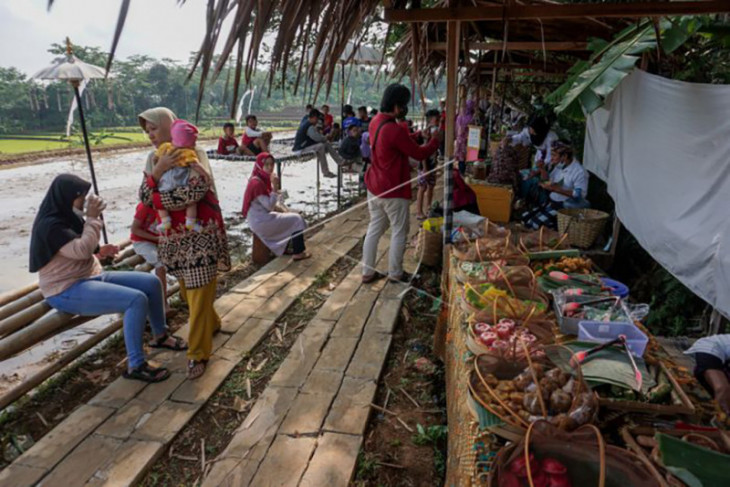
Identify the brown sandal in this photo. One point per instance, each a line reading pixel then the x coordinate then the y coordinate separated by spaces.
pixel 196 368
pixel 302 256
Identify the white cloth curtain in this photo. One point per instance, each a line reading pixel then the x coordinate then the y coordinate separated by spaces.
pixel 663 148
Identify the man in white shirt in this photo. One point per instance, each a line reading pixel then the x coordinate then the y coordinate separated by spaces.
pixel 538 134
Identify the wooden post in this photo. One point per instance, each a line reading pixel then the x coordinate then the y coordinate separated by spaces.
pixel 452 67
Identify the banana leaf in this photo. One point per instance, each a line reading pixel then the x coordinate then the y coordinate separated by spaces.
pixel 707 466
pixel 594 84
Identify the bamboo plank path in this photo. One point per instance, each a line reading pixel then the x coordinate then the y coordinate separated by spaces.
pixel 119 433
pixel 307 427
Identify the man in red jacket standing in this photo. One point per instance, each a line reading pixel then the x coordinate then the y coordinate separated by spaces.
pixel 388 180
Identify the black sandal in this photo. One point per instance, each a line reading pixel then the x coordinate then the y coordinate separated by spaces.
pixel 147 373
pixel 178 344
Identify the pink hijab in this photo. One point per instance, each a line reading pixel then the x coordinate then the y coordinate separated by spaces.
pixel 259 184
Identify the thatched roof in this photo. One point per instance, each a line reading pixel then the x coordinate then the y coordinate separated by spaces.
pixel 326 26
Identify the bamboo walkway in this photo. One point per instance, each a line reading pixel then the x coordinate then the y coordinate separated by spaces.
pixel 308 423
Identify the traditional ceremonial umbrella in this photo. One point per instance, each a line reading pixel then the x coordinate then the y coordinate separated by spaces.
pixel 72 69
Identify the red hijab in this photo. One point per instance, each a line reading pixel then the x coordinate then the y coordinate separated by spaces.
pixel 259 184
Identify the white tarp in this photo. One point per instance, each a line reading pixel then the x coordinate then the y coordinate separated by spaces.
pixel 663 147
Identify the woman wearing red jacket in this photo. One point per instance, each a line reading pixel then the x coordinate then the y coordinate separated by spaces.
pixel 388 180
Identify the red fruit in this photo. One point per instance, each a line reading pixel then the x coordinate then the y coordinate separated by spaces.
pixel 482 327
pixel 554 467
pixel 507 322
pixel 504 331
pixel 500 345
pixel 559 481
pixel 519 466
pixel 540 479
pixel 488 338
pixel 508 479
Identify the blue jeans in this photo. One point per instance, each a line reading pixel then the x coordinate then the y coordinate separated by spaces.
pixel 136 294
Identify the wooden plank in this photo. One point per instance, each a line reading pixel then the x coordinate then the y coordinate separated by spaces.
pixel 367 363
pixel 128 464
pixel 122 423
pixel 337 354
pixel 80 465
pixel 517 46
pixel 323 381
pixel 166 421
pixel 118 393
pixel 306 413
pixel 249 335
pixel 333 462
pixel 339 299
pixel 21 475
pixel 240 313
pixel 295 368
pixel 63 438
pixel 351 408
pixel 356 314
pixel 557 11
pixel 198 391
pixel 384 316
pixel 285 462
pixel 161 391
pixel 251 441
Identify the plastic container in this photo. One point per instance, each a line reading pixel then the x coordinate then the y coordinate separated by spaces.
pixel 600 332
pixel 569 326
pixel 617 288
pixel 494 201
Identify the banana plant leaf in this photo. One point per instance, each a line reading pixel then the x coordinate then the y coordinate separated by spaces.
pixel 594 84
pixel 707 466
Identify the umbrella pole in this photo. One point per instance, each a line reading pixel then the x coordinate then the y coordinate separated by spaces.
pixel 88 151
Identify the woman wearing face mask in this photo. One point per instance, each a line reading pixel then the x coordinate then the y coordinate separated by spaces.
pixel 193 257
pixel 537 134
pixel 62 249
pixel 566 188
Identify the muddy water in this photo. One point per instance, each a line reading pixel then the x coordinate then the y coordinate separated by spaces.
pixel 119 176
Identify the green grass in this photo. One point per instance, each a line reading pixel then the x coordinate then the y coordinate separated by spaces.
pixel 38 141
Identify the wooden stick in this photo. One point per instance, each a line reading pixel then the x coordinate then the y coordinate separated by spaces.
pixel 391 465
pixel 415 403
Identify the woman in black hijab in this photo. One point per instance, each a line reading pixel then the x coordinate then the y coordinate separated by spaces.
pixel 62 250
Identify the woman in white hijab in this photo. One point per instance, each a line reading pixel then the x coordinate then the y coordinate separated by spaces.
pixel 194 258
pixel 156 122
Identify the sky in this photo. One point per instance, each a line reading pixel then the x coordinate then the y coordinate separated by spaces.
pixel 157 28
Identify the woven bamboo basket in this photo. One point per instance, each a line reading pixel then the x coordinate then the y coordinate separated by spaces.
pixel 429 247
pixel 582 225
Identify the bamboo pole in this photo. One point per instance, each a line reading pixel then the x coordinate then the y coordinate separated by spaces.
pixel 42 375
pixel 37 331
pixel 20 304
pixel 19 320
pixel 11 296
pixel 129 261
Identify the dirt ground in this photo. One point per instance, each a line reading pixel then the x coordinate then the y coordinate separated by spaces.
pixel 412 391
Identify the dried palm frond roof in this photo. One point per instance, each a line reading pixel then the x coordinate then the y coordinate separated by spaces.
pixel 326 26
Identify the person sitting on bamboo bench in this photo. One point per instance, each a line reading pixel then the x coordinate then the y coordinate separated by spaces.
pixel 309 140
pixel 70 277
pixel 262 208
